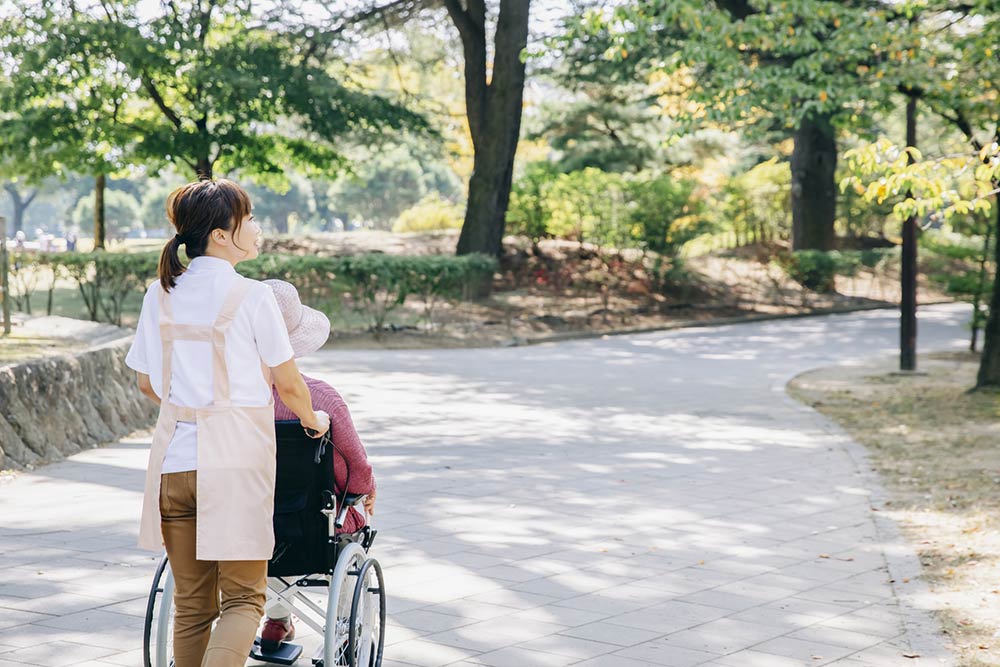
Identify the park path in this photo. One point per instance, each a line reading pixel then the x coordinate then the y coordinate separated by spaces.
pixel 652 499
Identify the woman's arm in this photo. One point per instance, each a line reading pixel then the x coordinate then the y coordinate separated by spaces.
pixel 295 394
pixel 146 387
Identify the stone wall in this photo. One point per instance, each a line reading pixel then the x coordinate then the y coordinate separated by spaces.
pixel 59 405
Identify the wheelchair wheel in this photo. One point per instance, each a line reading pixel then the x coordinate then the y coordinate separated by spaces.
pixel 336 640
pixel 366 639
pixel 158 629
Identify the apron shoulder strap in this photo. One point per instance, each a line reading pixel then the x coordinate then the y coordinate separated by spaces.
pixel 220 370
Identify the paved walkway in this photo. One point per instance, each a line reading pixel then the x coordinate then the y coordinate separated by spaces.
pixel 645 500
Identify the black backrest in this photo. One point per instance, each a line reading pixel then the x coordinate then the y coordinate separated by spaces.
pixel 304 483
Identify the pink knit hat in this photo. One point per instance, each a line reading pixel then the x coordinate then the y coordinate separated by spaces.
pixel 308 329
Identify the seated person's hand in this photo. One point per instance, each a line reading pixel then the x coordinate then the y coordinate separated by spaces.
pixel 370 503
pixel 319 426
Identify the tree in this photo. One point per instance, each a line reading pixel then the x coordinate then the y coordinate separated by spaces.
pixel 220 85
pixel 762 67
pixel 493 100
pixel 20 200
pixel 58 107
pixel 959 42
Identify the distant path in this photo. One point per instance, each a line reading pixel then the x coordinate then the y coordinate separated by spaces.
pixel 643 500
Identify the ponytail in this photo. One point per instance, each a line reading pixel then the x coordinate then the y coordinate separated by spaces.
pixel 195 210
pixel 170 264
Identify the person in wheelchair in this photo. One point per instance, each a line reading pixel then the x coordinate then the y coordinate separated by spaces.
pixel 308 330
pixel 210 348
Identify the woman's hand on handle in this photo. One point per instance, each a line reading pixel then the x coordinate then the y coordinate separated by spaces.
pixel 295 394
pixel 319 425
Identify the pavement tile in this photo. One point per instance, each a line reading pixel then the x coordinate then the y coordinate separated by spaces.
pixel 662 652
pixel 811 652
pixel 569 646
pixel 611 633
pixel 723 636
pixel 56 654
pixel 517 656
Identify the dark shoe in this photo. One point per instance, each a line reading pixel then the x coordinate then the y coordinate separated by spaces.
pixel 276 631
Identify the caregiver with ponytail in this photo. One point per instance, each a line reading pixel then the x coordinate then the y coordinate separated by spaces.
pixel 208 346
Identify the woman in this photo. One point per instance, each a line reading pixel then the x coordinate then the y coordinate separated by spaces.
pixel 308 330
pixel 208 346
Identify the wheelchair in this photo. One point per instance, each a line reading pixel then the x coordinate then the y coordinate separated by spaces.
pixel 327 580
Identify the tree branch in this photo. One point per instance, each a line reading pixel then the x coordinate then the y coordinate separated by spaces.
pixel 147 83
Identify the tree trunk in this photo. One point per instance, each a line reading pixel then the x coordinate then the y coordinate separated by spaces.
pixel 908 274
pixel 100 231
pixel 814 187
pixel 493 106
pixel 977 297
pixel 989 367
pixel 20 203
pixel 203 169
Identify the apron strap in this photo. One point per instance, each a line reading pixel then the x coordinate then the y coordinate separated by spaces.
pixel 167 340
pixel 220 370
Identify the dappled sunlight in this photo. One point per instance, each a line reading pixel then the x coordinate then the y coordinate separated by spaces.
pixel 550 487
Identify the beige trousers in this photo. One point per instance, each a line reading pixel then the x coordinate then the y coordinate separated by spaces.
pixel 198 586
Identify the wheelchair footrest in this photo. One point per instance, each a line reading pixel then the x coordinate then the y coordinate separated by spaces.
pixel 286 654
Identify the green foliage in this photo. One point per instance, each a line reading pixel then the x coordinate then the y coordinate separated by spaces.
pixel 813 269
pixel 527 213
pixel 962 266
pixel 429 214
pixel 201 85
pixel 817 269
pixel 663 213
pixel 381 283
pixel 105 280
pixel 755 205
pixel 388 182
pixel 377 283
pixel 121 211
pixel 645 210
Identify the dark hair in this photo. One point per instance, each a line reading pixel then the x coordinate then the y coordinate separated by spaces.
pixel 195 210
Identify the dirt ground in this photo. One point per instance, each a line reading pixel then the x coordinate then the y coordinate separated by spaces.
pixel 562 287
pixel 935 444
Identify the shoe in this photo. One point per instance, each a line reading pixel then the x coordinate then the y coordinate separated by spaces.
pixel 276 631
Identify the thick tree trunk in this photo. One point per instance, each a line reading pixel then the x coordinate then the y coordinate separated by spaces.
pixel 908 274
pixel 100 230
pixel 814 187
pixel 989 367
pixel 489 193
pixel 493 105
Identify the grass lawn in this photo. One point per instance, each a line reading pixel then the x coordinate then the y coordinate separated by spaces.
pixel 936 446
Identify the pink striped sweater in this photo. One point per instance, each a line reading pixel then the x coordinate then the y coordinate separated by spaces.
pixel 350 451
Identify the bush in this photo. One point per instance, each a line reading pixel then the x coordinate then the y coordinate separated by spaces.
pixel 432 213
pixel 813 269
pixel 379 283
pixel 106 279
pixel 645 211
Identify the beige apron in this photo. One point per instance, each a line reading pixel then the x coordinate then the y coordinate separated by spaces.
pixel 236 451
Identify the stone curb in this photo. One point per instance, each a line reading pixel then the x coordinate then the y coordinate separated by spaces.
pixel 922 633
pixel 694 324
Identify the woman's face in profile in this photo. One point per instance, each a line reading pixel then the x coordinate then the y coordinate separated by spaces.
pixel 248 238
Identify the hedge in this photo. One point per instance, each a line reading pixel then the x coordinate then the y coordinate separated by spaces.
pixel 377 283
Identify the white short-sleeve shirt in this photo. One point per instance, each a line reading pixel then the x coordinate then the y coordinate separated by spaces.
pixel 257 334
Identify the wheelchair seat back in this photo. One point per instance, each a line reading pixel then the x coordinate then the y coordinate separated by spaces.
pixel 304 486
